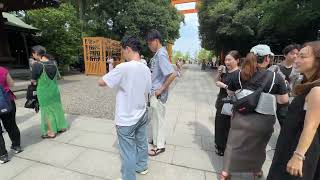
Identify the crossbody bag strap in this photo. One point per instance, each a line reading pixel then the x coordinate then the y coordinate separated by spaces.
pixel 240 79
pixel 273 79
pixel 43 68
pixel 58 72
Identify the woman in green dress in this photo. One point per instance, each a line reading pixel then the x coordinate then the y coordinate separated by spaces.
pixel 44 74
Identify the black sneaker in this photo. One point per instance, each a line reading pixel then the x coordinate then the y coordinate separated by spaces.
pixel 4 159
pixel 16 149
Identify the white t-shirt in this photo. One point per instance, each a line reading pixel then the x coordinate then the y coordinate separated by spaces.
pixel 133 83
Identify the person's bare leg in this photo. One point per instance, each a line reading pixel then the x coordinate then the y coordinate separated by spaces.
pixel 49 132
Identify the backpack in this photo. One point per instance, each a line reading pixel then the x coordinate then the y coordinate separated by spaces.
pixel 5 101
pixel 245 100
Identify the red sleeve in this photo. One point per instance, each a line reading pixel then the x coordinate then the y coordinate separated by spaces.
pixel 4 71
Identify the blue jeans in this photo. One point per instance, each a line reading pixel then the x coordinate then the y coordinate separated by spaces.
pixel 133 148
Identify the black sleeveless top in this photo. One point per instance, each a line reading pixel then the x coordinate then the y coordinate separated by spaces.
pixel 50 69
pixel 287 142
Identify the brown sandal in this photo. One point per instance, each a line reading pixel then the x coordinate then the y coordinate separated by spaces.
pixel 157 151
pixel 48 137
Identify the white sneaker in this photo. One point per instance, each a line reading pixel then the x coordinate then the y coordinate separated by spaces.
pixel 143 172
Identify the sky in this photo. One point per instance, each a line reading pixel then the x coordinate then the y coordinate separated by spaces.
pixel 189 37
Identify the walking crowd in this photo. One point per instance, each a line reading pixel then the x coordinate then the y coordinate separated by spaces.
pixel 253 96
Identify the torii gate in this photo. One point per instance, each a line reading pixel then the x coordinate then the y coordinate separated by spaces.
pixel 186 11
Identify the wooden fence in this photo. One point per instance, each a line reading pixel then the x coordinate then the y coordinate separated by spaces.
pixel 96 52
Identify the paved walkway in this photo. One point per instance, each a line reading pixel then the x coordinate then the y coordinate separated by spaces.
pixel 88 151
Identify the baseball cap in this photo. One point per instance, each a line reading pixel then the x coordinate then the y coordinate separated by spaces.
pixel 261 50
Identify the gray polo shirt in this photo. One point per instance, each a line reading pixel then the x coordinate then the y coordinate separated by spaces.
pixel 160 68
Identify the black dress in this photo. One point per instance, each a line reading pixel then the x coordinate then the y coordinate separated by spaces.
pixel 222 122
pixel 287 142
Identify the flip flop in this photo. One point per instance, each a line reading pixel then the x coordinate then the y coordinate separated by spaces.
pixel 48 137
pixel 156 151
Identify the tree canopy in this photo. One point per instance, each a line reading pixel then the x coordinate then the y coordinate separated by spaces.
pixel 204 55
pixel 240 24
pixel 60 31
pixel 107 18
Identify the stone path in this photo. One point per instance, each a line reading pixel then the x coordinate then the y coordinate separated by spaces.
pixel 88 151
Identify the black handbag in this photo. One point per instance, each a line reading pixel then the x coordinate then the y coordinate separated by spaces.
pixel 32 99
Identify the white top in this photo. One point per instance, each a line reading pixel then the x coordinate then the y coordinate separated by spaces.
pixel 110 62
pixel 133 83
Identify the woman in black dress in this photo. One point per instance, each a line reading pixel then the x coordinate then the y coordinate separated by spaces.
pixel 297 154
pixel 222 121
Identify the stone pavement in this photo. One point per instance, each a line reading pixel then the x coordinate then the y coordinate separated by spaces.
pixel 88 151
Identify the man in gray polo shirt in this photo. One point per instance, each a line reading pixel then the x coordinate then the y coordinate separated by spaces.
pixel 162 76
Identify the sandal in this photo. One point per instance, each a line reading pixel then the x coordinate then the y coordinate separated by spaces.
pixel 225 176
pixel 157 151
pixel 48 137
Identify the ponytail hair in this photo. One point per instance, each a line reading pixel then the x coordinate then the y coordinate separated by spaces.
pixel 41 51
pixel 249 67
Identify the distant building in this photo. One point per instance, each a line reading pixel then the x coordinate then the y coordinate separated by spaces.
pixel 13 30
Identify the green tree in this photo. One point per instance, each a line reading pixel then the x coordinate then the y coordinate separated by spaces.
pixel 60 31
pixel 204 55
pixel 240 24
pixel 176 55
pixel 186 56
pixel 62 28
pixel 120 18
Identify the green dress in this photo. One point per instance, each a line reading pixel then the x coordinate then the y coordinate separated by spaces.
pixel 50 103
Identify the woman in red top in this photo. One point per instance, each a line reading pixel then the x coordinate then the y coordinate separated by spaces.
pixel 9 119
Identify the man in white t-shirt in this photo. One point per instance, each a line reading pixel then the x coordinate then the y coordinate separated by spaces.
pixel 132 80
